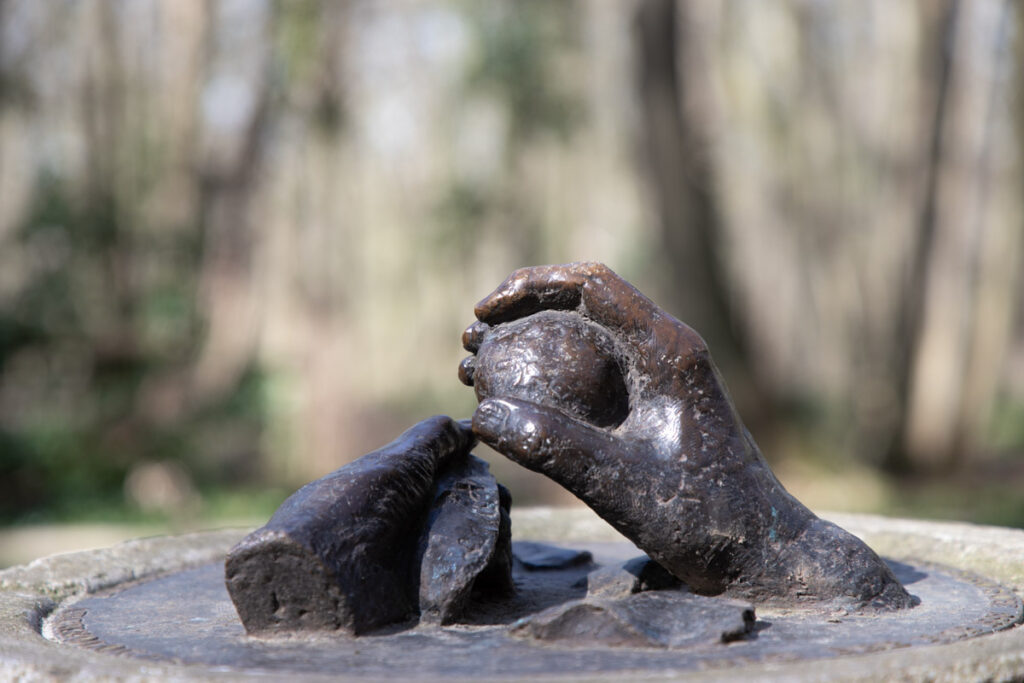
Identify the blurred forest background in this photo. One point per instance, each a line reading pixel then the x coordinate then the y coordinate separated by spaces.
pixel 241 238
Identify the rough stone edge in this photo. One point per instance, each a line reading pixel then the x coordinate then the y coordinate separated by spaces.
pixel 28 593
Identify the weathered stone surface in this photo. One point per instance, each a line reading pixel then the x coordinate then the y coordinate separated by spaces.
pixel 633 576
pixel 539 556
pixel 340 552
pixel 556 359
pixel 869 647
pixel 666 619
pixel 681 476
pixel 466 534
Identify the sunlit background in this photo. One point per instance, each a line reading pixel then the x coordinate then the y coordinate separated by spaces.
pixel 241 238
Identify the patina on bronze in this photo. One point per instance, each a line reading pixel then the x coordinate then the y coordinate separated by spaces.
pixel 679 475
pixel 555 359
pixel 584 379
pixel 414 527
pixel 466 542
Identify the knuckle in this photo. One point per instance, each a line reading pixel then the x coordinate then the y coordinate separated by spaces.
pixel 516 278
pixel 594 270
pixel 532 438
pixel 473 336
pixel 466 370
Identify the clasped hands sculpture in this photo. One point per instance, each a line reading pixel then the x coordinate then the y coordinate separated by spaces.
pixel 584 379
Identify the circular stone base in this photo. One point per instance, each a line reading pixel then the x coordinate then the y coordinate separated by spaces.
pixel 159 608
pixel 187 616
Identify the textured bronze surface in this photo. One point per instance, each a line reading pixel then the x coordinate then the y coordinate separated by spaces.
pixel 411 525
pixel 680 476
pixel 556 359
pixel 663 619
pixel 633 576
pixel 542 556
pixel 465 545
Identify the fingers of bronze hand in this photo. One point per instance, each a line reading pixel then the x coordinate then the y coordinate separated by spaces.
pixel 439 435
pixel 529 290
pixel 474 336
pixel 544 439
pixel 593 288
pixel 466 369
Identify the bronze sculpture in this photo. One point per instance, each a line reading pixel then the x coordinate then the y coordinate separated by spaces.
pixel 681 476
pixel 584 379
pixel 378 541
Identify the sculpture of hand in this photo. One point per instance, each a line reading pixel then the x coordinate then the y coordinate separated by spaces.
pixel 681 477
pixel 417 526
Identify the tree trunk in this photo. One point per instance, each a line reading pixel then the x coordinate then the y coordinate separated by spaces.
pixel 956 322
pixel 683 176
pixel 911 315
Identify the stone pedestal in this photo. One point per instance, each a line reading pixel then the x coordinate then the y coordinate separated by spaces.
pixel 86 615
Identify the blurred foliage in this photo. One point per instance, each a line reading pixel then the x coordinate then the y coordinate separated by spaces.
pixel 78 345
pixel 238 241
pixel 1007 427
pixel 299 36
pixel 516 59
